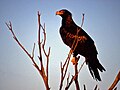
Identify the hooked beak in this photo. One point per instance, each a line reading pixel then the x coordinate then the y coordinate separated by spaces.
pixel 59 13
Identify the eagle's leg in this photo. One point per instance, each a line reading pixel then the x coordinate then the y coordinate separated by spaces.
pixel 75 58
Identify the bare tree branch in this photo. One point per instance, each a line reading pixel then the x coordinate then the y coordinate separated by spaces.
pixel 15 38
pixel 41 46
pixel 33 51
pixel 84 87
pixel 76 74
pixel 75 77
pixel 115 81
pixel 96 87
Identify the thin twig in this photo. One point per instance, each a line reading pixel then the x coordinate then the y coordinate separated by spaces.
pixel 84 87
pixel 117 79
pixel 15 38
pixel 96 87
pixel 39 43
pixel 74 78
pixel 82 19
pixel 68 79
pixel 33 51
pixel 76 74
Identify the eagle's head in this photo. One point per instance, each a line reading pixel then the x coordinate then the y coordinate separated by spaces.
pixel 64 13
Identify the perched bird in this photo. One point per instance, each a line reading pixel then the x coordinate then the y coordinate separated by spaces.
pixel 85 46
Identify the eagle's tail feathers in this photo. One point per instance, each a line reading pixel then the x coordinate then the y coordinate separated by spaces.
pixel 94 65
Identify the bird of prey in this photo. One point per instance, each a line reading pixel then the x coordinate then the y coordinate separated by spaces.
pixel 85 46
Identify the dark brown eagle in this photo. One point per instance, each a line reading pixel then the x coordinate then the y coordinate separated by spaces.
pixel 85 46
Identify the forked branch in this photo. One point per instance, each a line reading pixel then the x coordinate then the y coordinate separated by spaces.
pixel 41 46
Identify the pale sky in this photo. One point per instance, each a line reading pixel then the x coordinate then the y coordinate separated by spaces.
pixel 102 23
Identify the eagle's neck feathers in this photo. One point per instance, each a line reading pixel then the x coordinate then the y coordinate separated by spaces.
pixel 67 21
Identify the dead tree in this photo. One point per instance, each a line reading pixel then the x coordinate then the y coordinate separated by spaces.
pixel 43 71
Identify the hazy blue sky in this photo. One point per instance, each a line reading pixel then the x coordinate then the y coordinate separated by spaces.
pixel 102 23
